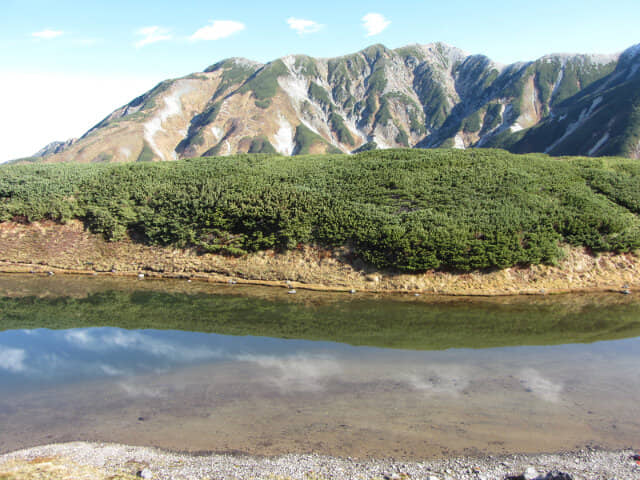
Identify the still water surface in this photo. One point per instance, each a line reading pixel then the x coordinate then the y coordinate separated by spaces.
pixel 235 369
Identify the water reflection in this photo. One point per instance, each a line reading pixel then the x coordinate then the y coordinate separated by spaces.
pixel 154 384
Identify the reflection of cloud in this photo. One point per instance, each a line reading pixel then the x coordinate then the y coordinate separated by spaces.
pixel 541 387
pixel 446 379
pixel 12 359
pixel 80 338
pixel 296 372
pixel 135 341
pixel 140 391
pixel 111 371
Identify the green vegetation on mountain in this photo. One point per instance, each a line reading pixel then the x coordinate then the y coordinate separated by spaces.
pixel 340 129
pixel 433 98
pixel 146 154
pixel 232 75
pixel 261 145
pixel 319 95
pixel 263 84
pixel 410 210
pixel 306 66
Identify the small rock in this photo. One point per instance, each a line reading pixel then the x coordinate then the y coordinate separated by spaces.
pixel 144 473
pixel 292 291
pixel 626 292
pixel 530 474
pixel 141 275
pixel 556 475
pixel 416 294
pixel 432 477
pixel 50 273
pixel 353 290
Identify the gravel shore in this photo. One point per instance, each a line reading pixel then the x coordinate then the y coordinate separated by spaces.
pixel 111 461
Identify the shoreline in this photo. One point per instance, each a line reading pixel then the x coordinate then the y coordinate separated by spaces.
pixel 8 268
pixel 43 247
pixel 104 460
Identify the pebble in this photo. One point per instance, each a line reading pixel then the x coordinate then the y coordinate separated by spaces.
pixel 141 275
pixel 292 291
pixel 113 458
pixel 353 290
pixel 145 473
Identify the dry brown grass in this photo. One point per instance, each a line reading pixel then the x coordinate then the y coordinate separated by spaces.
pixel 55 468
pixel 45 246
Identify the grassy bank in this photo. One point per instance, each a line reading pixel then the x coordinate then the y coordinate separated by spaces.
pixel 410 210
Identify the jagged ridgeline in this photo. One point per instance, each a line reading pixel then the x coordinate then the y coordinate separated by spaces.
pixel 409 210
pixel 417 96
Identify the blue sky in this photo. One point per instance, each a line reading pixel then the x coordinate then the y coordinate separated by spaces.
pixel 74 62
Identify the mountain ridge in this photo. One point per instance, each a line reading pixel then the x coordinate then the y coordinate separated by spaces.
pixel 426 96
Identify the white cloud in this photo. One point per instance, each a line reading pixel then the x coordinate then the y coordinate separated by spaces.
pixel 151 35
pixel 87 42
pixel 12 359
pixel 374 23
pixel 47 34
pixel 217 30
pixel 303 26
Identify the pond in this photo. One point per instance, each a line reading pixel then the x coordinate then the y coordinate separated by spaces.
pixel 197 367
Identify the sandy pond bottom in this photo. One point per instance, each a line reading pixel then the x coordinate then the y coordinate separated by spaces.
pixel 193 391
pixel 337 400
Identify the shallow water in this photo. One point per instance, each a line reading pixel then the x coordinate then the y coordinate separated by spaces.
pixel 203 368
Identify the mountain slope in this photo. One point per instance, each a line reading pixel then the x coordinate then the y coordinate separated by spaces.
pixel 416 96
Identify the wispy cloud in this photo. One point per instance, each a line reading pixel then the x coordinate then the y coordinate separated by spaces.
pixel 87 42
pixel 374 23
pixel 151 35
pixel 12 359
pixel 47 34
pixel 302 26
pixel 217 30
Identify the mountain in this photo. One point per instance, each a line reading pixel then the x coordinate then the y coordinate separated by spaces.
pixel 417 96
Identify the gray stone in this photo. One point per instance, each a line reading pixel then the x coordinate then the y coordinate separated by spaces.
pixel 145 473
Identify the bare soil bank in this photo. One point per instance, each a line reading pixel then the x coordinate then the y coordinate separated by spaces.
pixel 48 246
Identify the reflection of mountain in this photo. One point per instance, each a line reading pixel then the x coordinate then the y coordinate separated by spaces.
pixel 382 323
pixel 417 96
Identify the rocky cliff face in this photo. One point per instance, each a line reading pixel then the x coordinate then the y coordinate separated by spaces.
pixel 416 96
